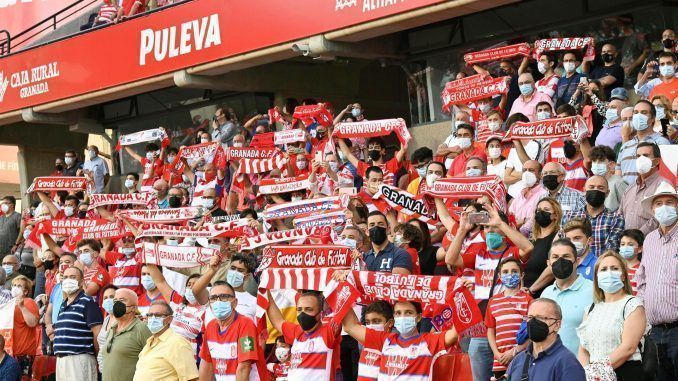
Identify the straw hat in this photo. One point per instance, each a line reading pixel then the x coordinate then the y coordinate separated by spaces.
pixel 664 189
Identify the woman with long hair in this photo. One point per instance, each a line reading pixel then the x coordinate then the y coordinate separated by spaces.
pixel 547 218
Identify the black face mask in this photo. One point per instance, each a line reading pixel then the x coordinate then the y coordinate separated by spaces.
pixel 82 214
pixel 174 201
pixel 550 182
pixel 562 268
pixel 570 149
pixel 375 155
pixel 543 218
pixel 48 265
pixel 306 321
pixel 503 73
pixel 59 167
pixel 595 198
pixel 119 309
pixel 537 330
pixel 320 134
pixel 378 235
pixel 668 43
pixel 607 57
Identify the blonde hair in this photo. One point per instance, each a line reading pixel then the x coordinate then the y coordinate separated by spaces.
pixel 664 100
pixel 598 294
pixel 28 284
pixel 557 213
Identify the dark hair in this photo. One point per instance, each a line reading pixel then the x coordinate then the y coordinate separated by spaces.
pixel 314 294
pixel 152 147
pixel 577 55
pixel 249 211
pixel 422 154
pixel 380 307
pixel 291 104
pixel 634 234
pixel 377 213
pixel 371 169
pixel 161 302
pixel 11 199
pixel 425 233
pixel 511 260
pixel 602 152
pixel 653 110
pixel 173 150
pixel 655 148
pixel 417 305
pixel 566 109
pixel 69 254
pixel 467 127
pixel 223 283
pixel 360 210
pixel 542 103
pixel 550 58
pixel 281 339
pixel 517 117
pixel 412 234
pixel 94 244
pixel 564 242
pixel 376 140
pixel 247 261
pixel 71 197
pixel 133 174
pixel 665 55
pixel 108 287
pixel 72 152
pixel 437 163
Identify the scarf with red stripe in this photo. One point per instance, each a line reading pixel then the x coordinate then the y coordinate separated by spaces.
pixel 284 185
pixel 566 43
pixel 144 136
pixel 161 216
pixel 471 187
pixel 58 183
pixel 232 229
pixel 305 256
pixel 409 204
pixel 313 113
pixel 332 217
pixel 323 233
pixel 295 208
pixel 573 126
pixel 470 90
pixel 237 153
pixel 210 152
pixel 256 166
pixel 372 128
pixel 103 199
pixel 497 53
pixel 175 256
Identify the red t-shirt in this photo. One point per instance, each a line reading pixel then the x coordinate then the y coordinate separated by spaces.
pixel 145 302
pixel 25 338
pixel 482 264
pixel 416 270
pixel 236 344
pixel 127 7
pixel 389 168
pixel 97 276
pixel 458 166
pixel 632 277
pixel 151 171
pixel 314 356
pixel 125 272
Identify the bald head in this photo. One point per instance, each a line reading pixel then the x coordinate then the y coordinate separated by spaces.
pixel 526 78
pixel 553 167
pixel 127 296
pixel 596 183
pixel 161 187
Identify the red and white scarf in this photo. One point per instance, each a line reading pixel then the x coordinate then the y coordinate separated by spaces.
pixel 237 153
pixel 573 126
pixel 471 187
pixel 313 113
pixel 566 43
pixel 58 183
pixel 372 128
pixel 231 229
pixel 144 136
pixel 289 136
pixel 102 199
pixel 470 91
pixel 305 256
pixel 328 218
pixel 498 53
pixel 407 203
pixel 108 230
pixel 175 256
pixel 284 185
pixel 161 216
pixel 295 208
pixel 210 152
pixel 251 243
pixel 255 166
pixel 274 116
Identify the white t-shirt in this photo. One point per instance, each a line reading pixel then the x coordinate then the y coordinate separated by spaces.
pixel 532 149
pixel 247 304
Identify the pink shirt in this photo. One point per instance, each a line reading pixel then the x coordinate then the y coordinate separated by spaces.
pixel 524 206
pixel 529 108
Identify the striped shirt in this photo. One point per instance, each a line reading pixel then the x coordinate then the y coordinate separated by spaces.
pixel 368 364
pixel 126 272
pixel 504 314
pixel 657 276
pixel 636 217
pixel 576 175
pixel 632 278
pixel 187 320
pixel 315 355
pixel 626 159
pixel 107 13
pixel 607 228
pixel 73 327
pixel 389 169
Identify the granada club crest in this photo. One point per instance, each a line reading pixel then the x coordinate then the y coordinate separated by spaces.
pixel 463 309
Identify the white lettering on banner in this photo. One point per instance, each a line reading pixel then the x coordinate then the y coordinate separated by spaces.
pixel 341 4
pixel 371 5
pixel 193 35
pixel 30 81
pixel 4 82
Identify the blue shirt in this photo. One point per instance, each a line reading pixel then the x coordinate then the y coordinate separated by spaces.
pixel 556 363
pixel 73 328
pixel 9 369
pixel 56 298
pixel 585 268
pixel 573 301
pixel 385 260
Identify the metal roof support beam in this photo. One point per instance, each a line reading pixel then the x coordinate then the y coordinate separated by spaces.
pixel 64 119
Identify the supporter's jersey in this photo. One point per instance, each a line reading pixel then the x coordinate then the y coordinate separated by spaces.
pixel 238 343
pixel 632 277
pixel 279 370
pixel 145 301
pixel 152 171
pixel 201 184
pixel 98 276
pixel 485 263
pixel 125 272
pixel 314 356
pixel 407 359
pixel 374 203
pixel 504 314
pixel 576 175
pixel 187 320
pixel 389 168
pixel 414 254
pixel 368 364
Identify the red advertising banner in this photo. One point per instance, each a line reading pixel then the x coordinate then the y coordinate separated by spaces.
pixel 497 53
pixel 305 256
pixel 175 38
pixel 453 94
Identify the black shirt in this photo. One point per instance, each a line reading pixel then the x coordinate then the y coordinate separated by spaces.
pixel 72 171
pixel 537 262
pixel 602 71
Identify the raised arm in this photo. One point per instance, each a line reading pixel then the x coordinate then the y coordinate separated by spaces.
pixel 274 314
pixel 444 214
pixel 200 286
pixel 400 155
pixel 347 152
pixel 453 256
pixel 48 203
pixel 160 282
pixel 353 327
pixel 132 153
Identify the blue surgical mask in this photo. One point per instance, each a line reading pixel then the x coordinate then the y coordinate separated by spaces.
pixel 356 112
pixel 639 122
pixel 510 280
pixel 190 298
pixel 494 240
pixel 526 89
pixel 147 282
pixel 235 278
pixel 406 325
pixel 541 115
pixel 155 324
pixel 222 310
pixel 107 304
pixel 627 252
pixel 667 70
pixel 661 113
pixel 665 215
pixel 86 258
pixel 9 269
pixel 610 281
pixel 599 169
pixel 611 115
pixel 421 172
pixel 473 172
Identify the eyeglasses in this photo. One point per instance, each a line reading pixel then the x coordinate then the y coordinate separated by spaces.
pixel 158 315
pixel 547 173
pixel 221 297
pixel 540 318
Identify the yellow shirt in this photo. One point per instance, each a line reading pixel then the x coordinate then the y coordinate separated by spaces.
pixel 166 358
pixel 413 186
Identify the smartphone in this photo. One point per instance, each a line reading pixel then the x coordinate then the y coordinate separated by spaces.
pixel 318 156
pixel 348 190
pixel 583 80
pixel 478 218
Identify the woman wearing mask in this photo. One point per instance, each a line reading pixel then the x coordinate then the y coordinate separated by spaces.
pixel 189 315
pixel 631 249
pixel 662 106
pixel 496 164
pixel 614 325
pixel 547 218
pixel 408 237
pixel 427 252
pixel 107 302
pixel 26 318
pixel 592 106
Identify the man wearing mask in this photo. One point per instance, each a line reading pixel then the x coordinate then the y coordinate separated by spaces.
pixel 553 179
pixel 450 148
pixel 546 65
pixel 374 177
pixel 611 132
pixel 568 83
pixel 58 167
pixel 572 292
pixel 223 129
pixel 11 265
pixel 76 327
pixel 124 339
pixel 546 358
pixel 523 206
pixel 668 44
pixel 610 74
pixel 603 164
pixel 161 188
pixel 124 268
pixel 95 275
pixel 166 354
pixel 73 166
pixel 420 159
pixel 465 137
pixel 56 296
pixel 647 163
pixel 376 149
pixel 607 225
pixel 506 69
pixel 96 169
pixel 204 178
pixel 69 210
pixel 152 164
pixel 131 183
pixel 665 84
pixel 230 347
pixel 210 204
pixel 10 224
pixel 579 232
pixel 526 103
pixel 315 346
pixel 643 118
pixel 239 271
pixel 176 198
pixel 656 278
pixel 384 256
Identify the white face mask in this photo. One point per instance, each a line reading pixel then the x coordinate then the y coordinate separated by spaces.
pixel 494 152
pixel 301 165
pixel 5 208
pixel 569 66
pixel 431 178
pixel 17 291
pixel 599 169
pixel 473 172
pixel 129 184
pixel 281 353
pixel 238 144
pixel 204 140
pixel 296 198
pixel 69 286
pixel 207 203
pixel 493 126
pixel 543 115
pixel 643 164
pixel 375 327
pixel 529 179
pixel 68 160
pixel 541 67
pixel 69 210
pixel 127 251
pixel 92 154
pixel 170 159
pixel 464 143
pixel 149 155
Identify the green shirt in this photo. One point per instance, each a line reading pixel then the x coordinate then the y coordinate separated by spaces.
pixel 121 361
